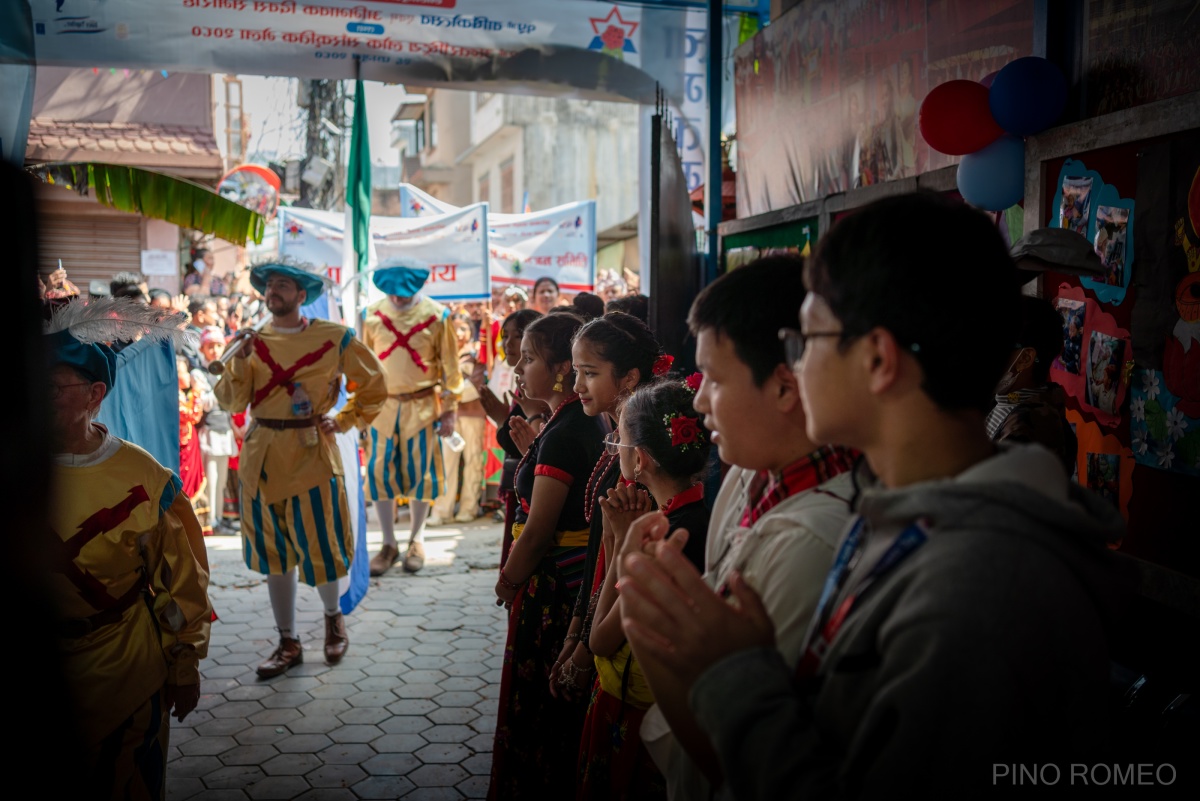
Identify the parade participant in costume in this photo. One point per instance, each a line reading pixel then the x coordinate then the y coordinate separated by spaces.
pixel 413 338
pixel 663 446
pixel 130 574
pixel 295 513
pixel 537 735
pixel 613 356
pixel 470 426
pixel 191 460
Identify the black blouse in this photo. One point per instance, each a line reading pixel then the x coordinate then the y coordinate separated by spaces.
pixel 566 449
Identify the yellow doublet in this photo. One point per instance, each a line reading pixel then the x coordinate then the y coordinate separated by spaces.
pixel 276 462
pixel 123 523
pixel 419 352
pixel 294 508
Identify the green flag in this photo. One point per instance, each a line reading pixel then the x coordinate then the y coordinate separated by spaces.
pixel 356 250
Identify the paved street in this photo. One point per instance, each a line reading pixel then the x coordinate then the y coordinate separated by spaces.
pixel 408 713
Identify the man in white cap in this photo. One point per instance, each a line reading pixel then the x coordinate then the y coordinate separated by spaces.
pixel 295 513
pixel 412 336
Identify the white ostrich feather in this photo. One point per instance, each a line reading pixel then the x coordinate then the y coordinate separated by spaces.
pixel 118 320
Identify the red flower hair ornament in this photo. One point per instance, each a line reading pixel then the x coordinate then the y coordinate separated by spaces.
pixel 693 381
pixel 685 431
pixel 662 364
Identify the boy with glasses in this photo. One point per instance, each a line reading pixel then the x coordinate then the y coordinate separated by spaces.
pixel 962 625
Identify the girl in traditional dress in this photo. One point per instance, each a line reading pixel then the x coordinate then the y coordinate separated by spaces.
pixel 537 735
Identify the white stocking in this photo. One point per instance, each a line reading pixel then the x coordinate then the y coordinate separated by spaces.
pixel 386 510
pixel 419 510
pixel 330 596
pixel 282 591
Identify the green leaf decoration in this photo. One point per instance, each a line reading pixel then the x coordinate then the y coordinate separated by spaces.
pixel 1156 420
pixel 1188 448
pixel 156 195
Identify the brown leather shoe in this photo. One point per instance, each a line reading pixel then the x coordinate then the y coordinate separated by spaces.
pixel 335 638
pixel 383 561
pixel 289 653
pixel 414 560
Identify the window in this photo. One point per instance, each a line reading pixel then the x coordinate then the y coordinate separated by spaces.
pixel 236 137
pixel 507 201
pixel 420 134
pixel 485 188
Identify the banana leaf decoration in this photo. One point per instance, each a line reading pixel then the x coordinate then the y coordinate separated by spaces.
pixel 156 195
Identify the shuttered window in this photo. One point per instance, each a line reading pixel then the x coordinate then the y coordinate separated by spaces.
pixel 92 247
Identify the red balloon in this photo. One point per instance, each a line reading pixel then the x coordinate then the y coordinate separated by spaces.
pixel 955 118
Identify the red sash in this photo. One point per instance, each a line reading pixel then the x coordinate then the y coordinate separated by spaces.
pixel 403 339
pixel 279 376
pixel 91 588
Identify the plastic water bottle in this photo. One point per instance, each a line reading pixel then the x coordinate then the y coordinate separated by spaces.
pixel 302 408
pixel 455 442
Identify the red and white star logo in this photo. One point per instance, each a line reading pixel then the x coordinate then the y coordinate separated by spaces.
pixel 613 32
pixel 599 25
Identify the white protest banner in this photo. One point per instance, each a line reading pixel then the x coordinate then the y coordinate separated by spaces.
pixel 453 247
pixel 559 243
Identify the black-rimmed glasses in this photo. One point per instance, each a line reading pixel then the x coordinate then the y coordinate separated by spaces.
pixel 611 445
pixel 794 341
pixel 55 390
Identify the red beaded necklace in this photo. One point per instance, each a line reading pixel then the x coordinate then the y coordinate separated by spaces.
pixel 567 400
pixel 593 486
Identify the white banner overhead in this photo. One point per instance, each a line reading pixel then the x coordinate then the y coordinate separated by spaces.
pixel 559 243
pixel 453 247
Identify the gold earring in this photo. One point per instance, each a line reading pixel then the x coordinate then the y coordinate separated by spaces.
pixel 558 379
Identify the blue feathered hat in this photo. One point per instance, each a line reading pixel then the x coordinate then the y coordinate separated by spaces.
pixel 305 275
pixel 79 333
pixel 400 277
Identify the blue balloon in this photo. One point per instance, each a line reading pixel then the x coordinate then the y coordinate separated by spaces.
pixel 1028 96
pixel 994 178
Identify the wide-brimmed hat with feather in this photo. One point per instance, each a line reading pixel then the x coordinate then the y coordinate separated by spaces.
pixel 79 333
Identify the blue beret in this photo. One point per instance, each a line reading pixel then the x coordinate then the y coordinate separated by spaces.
pixel 97 362
pixel 313 286
pixel 401 281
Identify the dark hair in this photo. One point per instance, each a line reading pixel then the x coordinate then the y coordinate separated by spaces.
pixel 1039 326
pixel 951 298
pixel 564 310
pixel 126 285
pixel 545 279
pixel 521 319
pixel 199 302
pixel 157 293
pixel 749 305
pixel 588 305
pixel 625 341
pixel 551 335
pixel 646 415
pixel 636 305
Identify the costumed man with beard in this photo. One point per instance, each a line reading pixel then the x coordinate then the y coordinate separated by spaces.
pixel 295 514
pixel 414 339
pixel 129 566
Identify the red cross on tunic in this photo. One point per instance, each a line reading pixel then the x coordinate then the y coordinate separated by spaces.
pixel 402 340
pixel 91 588
pixel 280 376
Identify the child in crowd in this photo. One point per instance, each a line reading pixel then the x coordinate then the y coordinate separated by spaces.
pixel 469 426
pixel 963 623
pixel 663 446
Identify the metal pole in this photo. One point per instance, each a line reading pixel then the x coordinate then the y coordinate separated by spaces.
pixel 712 192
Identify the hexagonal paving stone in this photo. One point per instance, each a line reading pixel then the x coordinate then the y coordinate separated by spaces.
pixel 382 787
pixel 481 743
pixel 207 746
pixel 223 794
pixel 303 744
pixel 372 714
pixel 434 794
pixel 437 775
pixel 391 764
pixel 356 733
pixel 233 777
pixel 342 676
pixel 195 767
pixel 225 726
pixel 282 787
pixel 329 706
pixel 328 794
pixel 470 657
pixel 335 776
pixel 479 764
pixel 181 787
pixel 406 724
pixel 485 724
pixel 378 683
pixel 488 708
pixel 399 743
pixel 442 753
pixel 462 714
pixel 377 699
pixel 433 649
pixel 346 754
pixel 314 724
pixel 293 684
pixel 262 735
pixel 449 733
pixel 291 765
pixel 333 692
pixel 253 692
pixel 458 699
pixel 437 636
pixel 428 662
pixel 285 700
pixel 222 671
pixel 274 717
pixel 422 677
pixel 462 683
pixel 474 787
pixel 465 669
pixel 417 690
pixel 248 754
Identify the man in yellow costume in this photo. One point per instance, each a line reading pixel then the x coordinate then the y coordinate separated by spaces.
pixel 414 339
pixel 130 570
pixel 295 515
